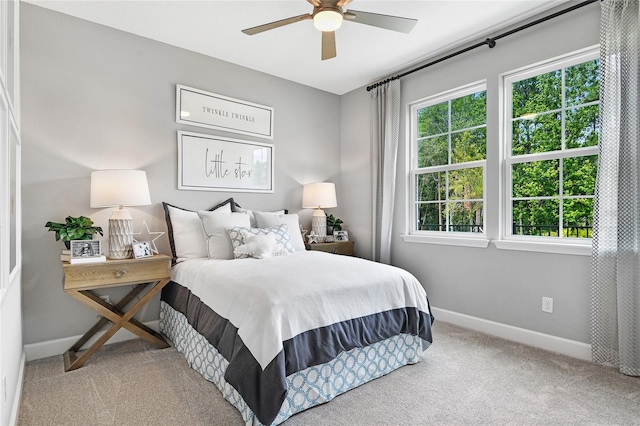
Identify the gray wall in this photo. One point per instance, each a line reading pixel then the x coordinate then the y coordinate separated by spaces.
pixel 97 98
pixel 498 285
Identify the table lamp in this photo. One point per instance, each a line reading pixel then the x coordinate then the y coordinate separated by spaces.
pixel 319 196
pixel 120 188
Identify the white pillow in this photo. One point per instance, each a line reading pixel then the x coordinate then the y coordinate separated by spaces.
pixel 215 226
pixel 281 233
pixel 251 214
pixel 189 241
pixel 260 246
pixel 266 220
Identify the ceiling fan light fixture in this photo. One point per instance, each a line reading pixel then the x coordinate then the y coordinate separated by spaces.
pixel 327 20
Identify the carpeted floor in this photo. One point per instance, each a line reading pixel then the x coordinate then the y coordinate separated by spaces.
pixel 465 378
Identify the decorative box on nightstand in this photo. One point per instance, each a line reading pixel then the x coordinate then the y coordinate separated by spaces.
pixel 338 247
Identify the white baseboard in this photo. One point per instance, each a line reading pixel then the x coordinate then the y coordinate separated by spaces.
pixel 60 346
pixel 17 397
pixel 548 342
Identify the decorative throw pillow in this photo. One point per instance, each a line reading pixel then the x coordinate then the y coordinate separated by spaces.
pixel 259 246
pixel 281 233
pixel 186 237
pixel 215 226
pixel 252 213
pixel 265 220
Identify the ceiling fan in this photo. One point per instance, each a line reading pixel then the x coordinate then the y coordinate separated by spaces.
pixel 327 17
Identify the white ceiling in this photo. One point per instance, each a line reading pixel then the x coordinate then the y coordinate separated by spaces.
pixel 365 54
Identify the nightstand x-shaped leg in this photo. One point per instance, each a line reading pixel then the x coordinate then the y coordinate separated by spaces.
pixel 114 314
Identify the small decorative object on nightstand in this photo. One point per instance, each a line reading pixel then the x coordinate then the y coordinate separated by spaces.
pixel 312 238
pixel 142 249
pixel 86 251
pixel 333 224
pixel 74 228
pixel 341 235
pixel 81 279
pixel 146 235
pixel 337 247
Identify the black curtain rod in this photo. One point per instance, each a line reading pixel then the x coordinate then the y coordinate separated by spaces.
pixel 491 42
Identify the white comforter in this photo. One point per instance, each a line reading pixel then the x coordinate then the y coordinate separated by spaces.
pixel 272 300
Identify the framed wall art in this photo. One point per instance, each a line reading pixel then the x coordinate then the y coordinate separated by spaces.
pixel 214 163
pixel 205 109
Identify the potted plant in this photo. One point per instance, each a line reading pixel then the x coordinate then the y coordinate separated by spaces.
pixel 333 224
pixel 74 228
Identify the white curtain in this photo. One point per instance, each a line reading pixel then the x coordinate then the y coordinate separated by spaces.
pixel 615 284
pixel 385 112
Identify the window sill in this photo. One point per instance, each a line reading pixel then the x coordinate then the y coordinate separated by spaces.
pixel 534 246
pixel 537 246
pixel 448 241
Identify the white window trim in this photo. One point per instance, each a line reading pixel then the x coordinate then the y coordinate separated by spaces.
pixel 449 240
pixel 506 241
pixel 434 237
pixel 565 247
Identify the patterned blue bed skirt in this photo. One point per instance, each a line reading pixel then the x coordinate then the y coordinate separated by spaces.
pixel 307 388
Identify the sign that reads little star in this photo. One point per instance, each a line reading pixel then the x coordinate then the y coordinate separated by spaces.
pixel 212 163
pixel 204 109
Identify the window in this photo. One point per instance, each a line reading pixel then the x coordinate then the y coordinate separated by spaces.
pixel 551 149
pixel 448 156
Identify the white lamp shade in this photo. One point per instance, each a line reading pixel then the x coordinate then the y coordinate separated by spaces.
pixel 119 188
pixel 320 195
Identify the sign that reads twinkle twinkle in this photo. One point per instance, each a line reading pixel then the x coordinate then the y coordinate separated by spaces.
pixel 204 109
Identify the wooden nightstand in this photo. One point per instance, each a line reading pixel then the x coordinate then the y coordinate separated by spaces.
pixel 79 281
pixel 338 247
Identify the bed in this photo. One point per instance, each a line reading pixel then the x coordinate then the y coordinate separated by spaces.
pixel 281 329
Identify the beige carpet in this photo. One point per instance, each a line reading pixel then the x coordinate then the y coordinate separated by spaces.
pixel 465 378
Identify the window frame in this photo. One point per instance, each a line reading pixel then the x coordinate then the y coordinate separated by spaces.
pixel 472 239
pixel 565 245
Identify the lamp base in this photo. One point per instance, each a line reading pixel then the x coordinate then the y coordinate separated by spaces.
pixel 120 235
pixel 319 223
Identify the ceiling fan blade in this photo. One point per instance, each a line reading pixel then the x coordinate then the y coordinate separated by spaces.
pixel 315 3
pixel 394 23
pixel 276 24
pixel 343 3
pixel 328 45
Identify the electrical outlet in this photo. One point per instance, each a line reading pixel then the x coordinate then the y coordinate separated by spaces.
pixel 547 304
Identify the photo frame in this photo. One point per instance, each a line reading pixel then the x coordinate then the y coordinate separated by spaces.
pixel 214 163
pixel 85 249
pixel 341 235
pixel 142 249
pixel 329 239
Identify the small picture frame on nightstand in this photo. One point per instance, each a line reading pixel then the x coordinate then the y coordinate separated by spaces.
pixel 85 249
pixel 142 249
pixel 329 239
pixel 341 235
